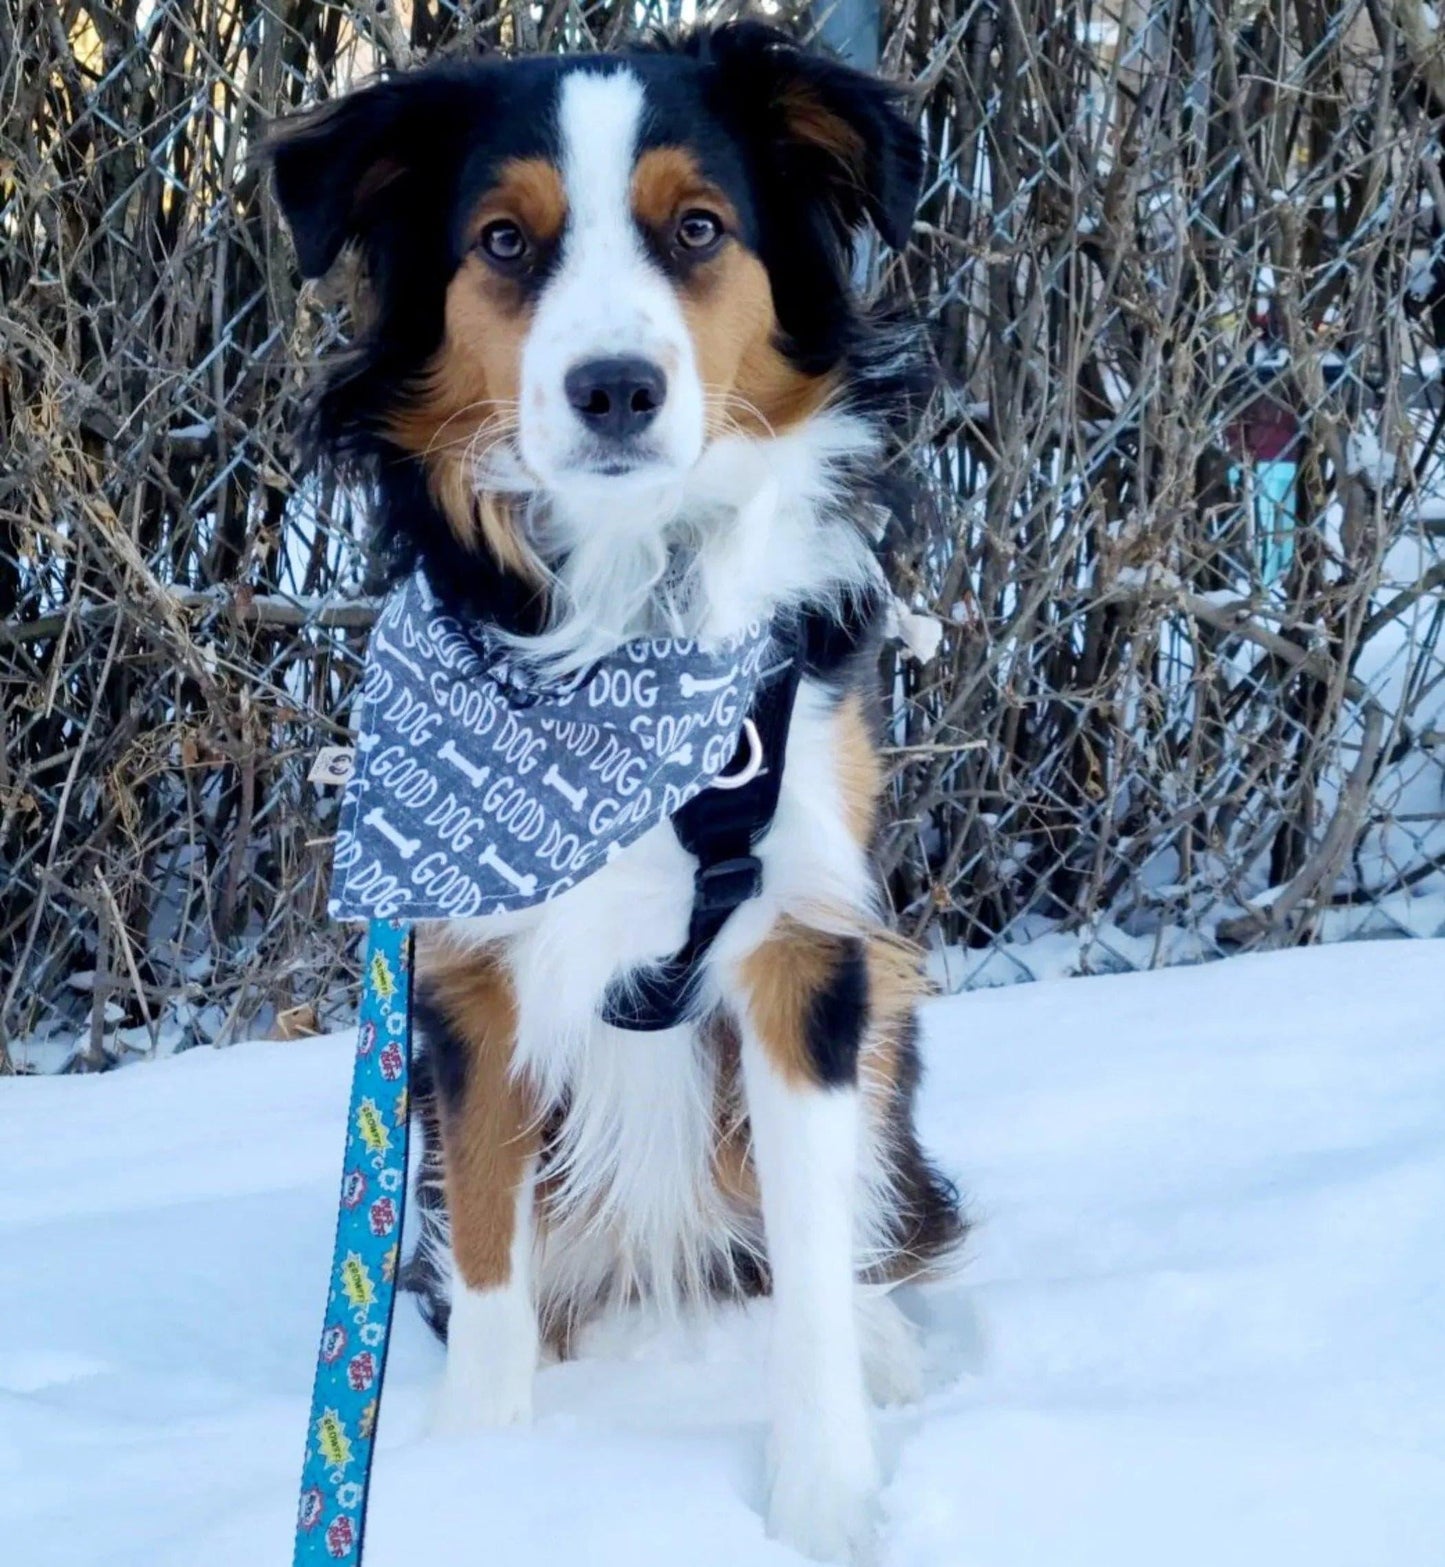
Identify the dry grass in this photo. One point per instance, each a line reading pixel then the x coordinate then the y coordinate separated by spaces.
pixel 1143 713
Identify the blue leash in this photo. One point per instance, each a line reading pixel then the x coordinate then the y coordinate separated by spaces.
pixel 341 1433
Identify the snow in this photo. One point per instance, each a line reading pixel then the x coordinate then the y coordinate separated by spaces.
pixel 1200 1322
pixel 920 632
pixel 1365 456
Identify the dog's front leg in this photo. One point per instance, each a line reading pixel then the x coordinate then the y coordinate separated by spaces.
pixel 803 1014
pixel 489 1139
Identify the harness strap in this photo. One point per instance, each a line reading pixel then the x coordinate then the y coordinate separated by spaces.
pixel 720 828
pixel 341 1433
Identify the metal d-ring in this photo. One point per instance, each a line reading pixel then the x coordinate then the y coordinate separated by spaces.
pixel 750 768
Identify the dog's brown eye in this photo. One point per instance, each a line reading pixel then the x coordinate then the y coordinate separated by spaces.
pixel 698 230
pixel 503 241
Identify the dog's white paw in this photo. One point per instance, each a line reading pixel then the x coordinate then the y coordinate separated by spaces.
pixel 892 1350
pixel 491 1363
pixel 463 1406
pixel 823 1499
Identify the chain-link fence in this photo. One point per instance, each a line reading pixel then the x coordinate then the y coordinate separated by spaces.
pixel 1175 576
pixel 1185 265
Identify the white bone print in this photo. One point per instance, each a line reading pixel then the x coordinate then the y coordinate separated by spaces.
pixel 477 776
pixel 378 640
pixel 690 685
pixel 577 798
pixel 404 846
pixel 526 883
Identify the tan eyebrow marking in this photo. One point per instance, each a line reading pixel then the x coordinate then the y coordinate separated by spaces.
pixel 529 190
pixel 665 180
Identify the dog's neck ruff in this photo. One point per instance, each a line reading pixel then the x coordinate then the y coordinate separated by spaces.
pixel 482 787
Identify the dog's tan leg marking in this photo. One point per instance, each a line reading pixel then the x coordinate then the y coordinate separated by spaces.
pixel 489 1142
pixel 782 980
pixel 860 773
pixel 490 1135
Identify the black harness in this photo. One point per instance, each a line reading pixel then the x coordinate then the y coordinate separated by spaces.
pixel 720 828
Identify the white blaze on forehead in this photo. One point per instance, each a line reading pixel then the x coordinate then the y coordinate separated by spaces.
pixel 600 118
pixel 608 298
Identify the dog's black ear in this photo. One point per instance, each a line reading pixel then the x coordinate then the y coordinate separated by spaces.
pixel 839 133
pixel 334 166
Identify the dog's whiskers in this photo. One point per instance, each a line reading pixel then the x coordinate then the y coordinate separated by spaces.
pixel 506 413
pixel 723 405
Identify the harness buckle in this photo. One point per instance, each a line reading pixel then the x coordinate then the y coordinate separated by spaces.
pixel 726 885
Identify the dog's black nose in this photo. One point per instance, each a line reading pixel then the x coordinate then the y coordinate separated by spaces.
pixel 616 398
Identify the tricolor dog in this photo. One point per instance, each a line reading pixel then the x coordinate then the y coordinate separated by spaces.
pixel 612 382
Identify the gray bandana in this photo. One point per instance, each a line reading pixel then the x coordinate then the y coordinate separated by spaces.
pixel 481 787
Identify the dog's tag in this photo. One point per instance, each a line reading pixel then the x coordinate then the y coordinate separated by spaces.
pixel 332 766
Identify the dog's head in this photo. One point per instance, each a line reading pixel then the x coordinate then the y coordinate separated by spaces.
pixel 584 273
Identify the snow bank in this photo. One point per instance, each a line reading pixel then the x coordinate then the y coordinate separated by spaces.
pixel 1201 1321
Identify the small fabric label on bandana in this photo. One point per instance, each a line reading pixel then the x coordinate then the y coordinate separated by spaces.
pixel 482 787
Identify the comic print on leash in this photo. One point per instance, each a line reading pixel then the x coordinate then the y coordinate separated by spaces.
pixel 481 787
